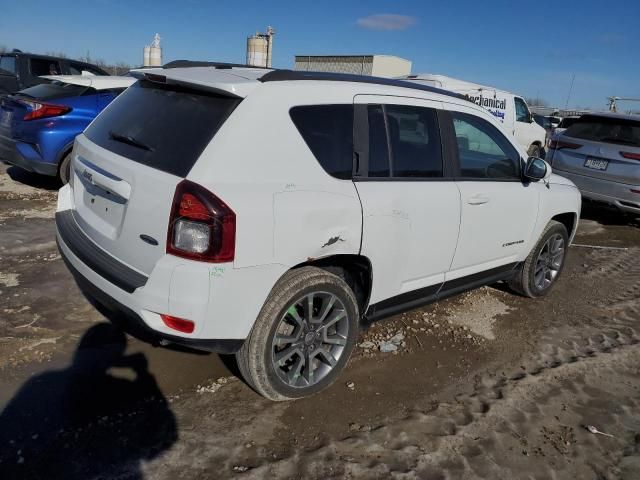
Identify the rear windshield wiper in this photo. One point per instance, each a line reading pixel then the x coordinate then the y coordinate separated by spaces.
pixel 129 140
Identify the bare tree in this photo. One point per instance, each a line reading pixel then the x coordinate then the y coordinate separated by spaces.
pixel 536 102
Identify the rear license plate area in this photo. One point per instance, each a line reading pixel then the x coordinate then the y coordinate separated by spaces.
pixel 596 163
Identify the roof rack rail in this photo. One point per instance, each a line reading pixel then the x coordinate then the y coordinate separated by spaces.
pixel 284 75
pixel 197 63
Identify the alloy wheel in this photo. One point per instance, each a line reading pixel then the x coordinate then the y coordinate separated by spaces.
pixel 549 262
pixel 310 339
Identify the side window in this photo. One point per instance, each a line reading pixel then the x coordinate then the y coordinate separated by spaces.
pixel 73 70
pixel 522 112
pixel 484 152
pixel 8 64
pixel 40 66
pixel 378 147
pixel 415 141
pixel 328 131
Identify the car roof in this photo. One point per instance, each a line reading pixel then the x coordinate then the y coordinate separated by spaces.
pixel 97 82
pixel 622 116
pixel 240 80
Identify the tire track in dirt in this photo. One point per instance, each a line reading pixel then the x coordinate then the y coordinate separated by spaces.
pixel 534 412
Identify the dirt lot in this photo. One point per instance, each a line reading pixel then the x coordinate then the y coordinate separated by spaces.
pixel 485 385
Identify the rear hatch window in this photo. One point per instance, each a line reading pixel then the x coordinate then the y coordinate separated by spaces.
pixel 620 131
pixel 165 127
pixel 54 90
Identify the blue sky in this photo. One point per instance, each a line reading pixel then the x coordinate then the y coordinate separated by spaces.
pixel 532 48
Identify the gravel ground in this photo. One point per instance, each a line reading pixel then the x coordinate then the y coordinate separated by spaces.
pixel 483 385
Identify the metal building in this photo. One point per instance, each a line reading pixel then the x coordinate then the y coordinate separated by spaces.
pixel 260 49
pixel 376 65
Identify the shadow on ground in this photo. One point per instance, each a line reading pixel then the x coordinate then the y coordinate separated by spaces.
pixel 34 180
pixel 100 417
pixel 606 215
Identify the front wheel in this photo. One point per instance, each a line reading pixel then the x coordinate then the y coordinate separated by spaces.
pixel 543 266
pixel 303 336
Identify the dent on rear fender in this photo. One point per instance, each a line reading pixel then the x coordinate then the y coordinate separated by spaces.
pixel 311 224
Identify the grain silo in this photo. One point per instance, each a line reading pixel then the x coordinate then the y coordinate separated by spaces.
pixel 260 49
pixel 152 56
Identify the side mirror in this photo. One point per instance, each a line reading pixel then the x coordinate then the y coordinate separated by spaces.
pixel 537 169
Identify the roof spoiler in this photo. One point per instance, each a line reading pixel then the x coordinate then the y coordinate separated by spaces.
pixel 224 89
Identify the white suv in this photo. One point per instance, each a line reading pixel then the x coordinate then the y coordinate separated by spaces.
pixel 267 213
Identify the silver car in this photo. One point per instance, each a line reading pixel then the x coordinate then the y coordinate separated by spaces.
pixel 600 153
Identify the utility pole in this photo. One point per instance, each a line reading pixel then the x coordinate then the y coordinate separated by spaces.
pixel 566 105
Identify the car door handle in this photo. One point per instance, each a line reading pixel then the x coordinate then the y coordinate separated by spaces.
pixel 478 199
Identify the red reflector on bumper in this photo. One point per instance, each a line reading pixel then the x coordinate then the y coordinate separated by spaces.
pixel 179 324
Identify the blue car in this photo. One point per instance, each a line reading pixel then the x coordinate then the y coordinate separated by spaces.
pixel 39 124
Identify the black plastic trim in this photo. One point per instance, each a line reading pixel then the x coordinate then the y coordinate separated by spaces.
pixel 403 302
pixel 288 75
pixel 94 257
pixel 423 296
pixel 462 284
pixel 131 322
pixel 198 63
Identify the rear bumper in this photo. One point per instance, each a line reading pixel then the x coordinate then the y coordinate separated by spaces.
pixel 25 156
pixel 221 300
pixel 133 323
pixel 606 191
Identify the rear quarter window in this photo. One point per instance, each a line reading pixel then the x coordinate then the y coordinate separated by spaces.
pixel 328 132
pixel 165 127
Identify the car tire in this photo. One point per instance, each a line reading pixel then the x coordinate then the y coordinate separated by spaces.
pixel 542 268
pixel 64 172
pixel 535 151
pixel 284 326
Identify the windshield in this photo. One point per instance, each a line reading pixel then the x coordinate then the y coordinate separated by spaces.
pixel 620 131
pixel 53 90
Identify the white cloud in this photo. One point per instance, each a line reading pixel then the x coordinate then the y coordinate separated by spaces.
pixel 387 22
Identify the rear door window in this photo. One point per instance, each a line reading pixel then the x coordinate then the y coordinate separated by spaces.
pixel 484 152
pixel 328 132
pixel 415 141
pixel 379 165
pixel 41 66
pixel 620 131
pixel 165 127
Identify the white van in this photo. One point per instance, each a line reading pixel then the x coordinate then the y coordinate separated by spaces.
pixel 509 109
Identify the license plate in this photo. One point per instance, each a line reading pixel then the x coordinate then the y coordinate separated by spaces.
pixel 596 163
pixel 5 120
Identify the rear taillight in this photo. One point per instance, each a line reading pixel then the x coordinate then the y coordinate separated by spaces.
pixel 631 155
pixel 201 226
pixel 179 324
pixel 43 110
pixel 560 144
